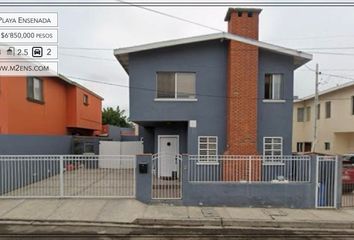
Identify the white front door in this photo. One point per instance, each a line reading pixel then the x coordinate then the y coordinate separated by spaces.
pixel 168 148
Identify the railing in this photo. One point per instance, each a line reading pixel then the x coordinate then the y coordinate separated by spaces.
pixel 166 176
pixel 327 181
pixel 67 176
pixel 249 169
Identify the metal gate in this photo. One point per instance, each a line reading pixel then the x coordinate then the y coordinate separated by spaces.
pixel 348 181
pixel 327 181
pixel 166 176
pixel 54 176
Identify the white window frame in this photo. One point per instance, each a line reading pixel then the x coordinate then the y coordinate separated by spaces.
pixel 281 89
pixel 208 159
pixel 176 90
pixel 308 113
pixel 34 97
pixel 300 119
pixel 325 146
pixel 272 159
pixel 85 99
pixel 318 111
pixel 328 109
pixel 300 145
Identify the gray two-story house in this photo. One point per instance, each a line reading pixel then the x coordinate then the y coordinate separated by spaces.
pixel 222 93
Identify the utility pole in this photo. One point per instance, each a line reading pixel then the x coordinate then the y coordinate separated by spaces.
pixel 315 111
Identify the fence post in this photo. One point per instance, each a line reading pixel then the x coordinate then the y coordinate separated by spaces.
pixel 250 169
pixel 316 181
pixel 336 182
pixel 61 176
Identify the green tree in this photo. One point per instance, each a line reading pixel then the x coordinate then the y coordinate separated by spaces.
pixel 115 117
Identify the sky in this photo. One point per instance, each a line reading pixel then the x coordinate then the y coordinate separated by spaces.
pixel 99 30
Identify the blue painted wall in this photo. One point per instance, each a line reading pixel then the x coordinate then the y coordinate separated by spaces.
pixel 208 60
pixel 275 119
pixel 179 129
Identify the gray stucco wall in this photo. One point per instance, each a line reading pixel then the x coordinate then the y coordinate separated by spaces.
pixel 275 119
pixel 289 195
pixel 143 180
pixel 114 133
pixel 15 173
pixel 22 144
pixel 208 60
pixel 147 135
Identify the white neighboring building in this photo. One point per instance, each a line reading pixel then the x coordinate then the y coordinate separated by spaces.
pixel 335 121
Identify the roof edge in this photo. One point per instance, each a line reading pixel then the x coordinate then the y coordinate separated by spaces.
pixel 329 90
pixel 214 36
pixel 67 80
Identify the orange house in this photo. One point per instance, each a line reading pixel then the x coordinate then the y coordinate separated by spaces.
pixel 48 106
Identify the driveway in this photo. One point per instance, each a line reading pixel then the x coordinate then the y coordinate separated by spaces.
pixel 82 182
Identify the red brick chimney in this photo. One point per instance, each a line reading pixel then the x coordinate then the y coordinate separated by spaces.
pixel 243 21
pixel 242 78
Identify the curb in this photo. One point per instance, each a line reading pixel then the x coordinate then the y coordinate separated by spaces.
pixel 170 229
pixel 219 222
pixel 190 223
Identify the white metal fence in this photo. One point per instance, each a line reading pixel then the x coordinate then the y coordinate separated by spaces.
pixel 249 169
pixel 67 176
pixel 327 182
pixel 166 176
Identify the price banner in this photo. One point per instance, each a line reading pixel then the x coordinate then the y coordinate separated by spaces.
pixel 23 19
pixel 28 44
pixel 28 35
pixel 22 68
pixel 24 52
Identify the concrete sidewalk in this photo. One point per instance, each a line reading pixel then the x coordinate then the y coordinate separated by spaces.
pixel 130 211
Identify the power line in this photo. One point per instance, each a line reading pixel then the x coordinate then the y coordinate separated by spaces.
pixel 338 76
pixel 87 48
pixel 329 74
pixel 172 16
pixel 154 90
pixel 308 38
pixel 88 57
pixel 332 53
pixel 333 69
pixel 311 69
pixel 338 69
pixel 326 48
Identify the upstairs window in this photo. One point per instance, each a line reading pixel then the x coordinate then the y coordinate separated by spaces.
pixel 35 89
pixel 300 114
pixel 328 109
pixel 318 111
pixel 86 99
pixel 175 85
pixel 327 146
pixel 299 147
pixel 273 86
pixel 308 114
